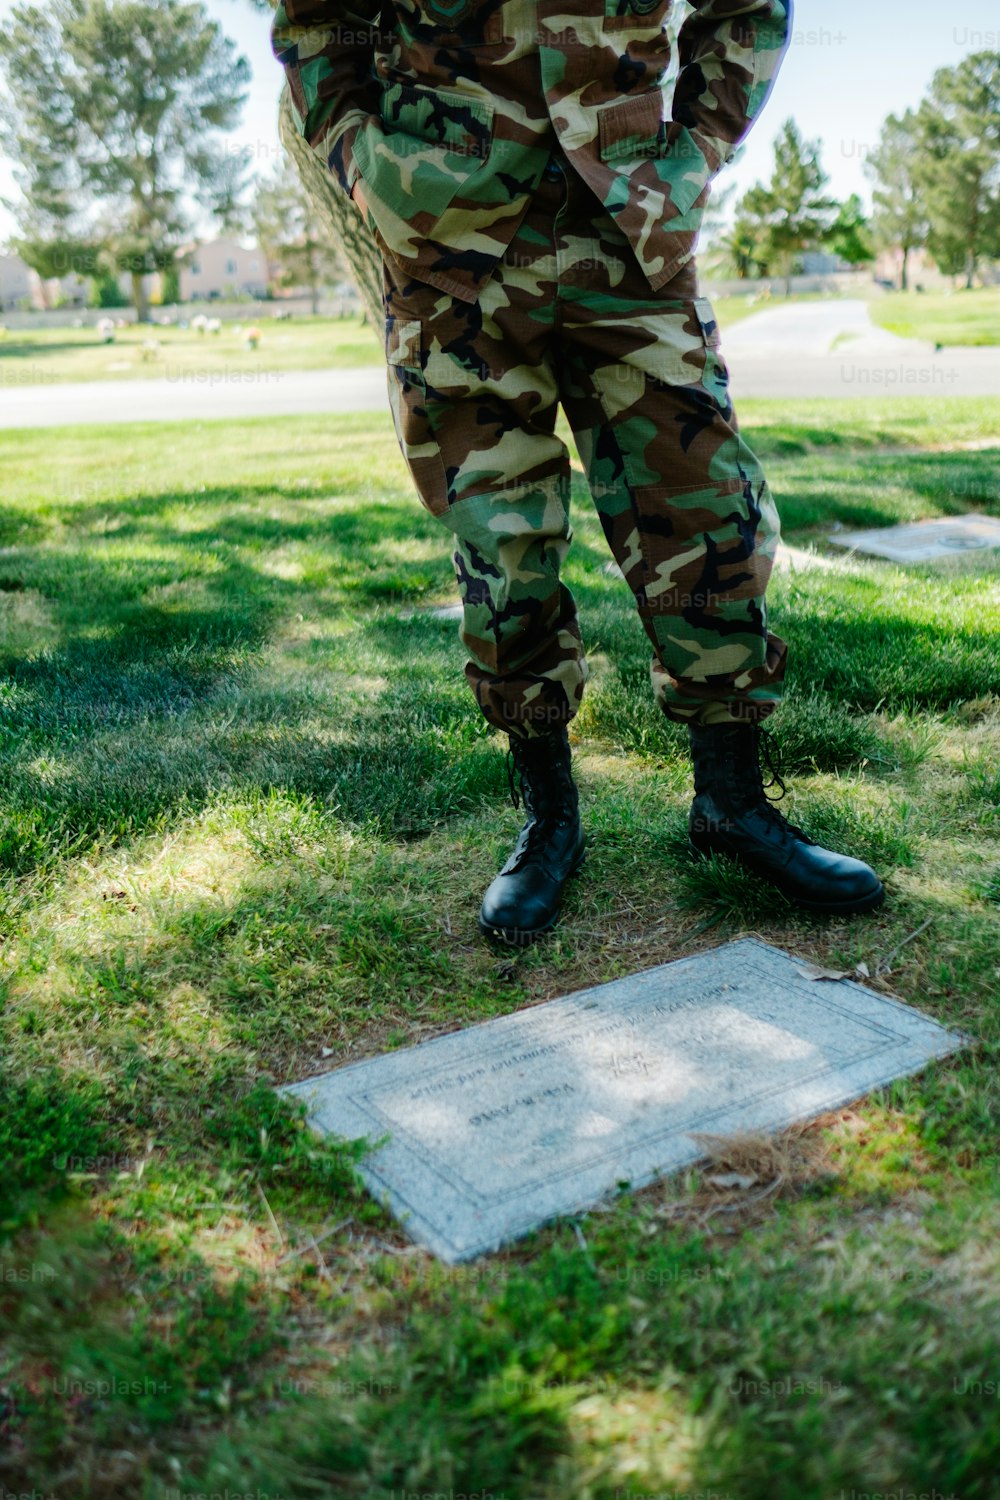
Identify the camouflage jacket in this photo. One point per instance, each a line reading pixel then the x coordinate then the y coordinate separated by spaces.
pixel 449 109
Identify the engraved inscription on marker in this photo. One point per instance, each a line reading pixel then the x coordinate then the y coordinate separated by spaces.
pixel 497 1128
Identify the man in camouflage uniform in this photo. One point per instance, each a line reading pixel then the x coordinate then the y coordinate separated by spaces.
pixel 536 198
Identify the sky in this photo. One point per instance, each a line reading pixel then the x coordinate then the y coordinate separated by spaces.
pixel 849 65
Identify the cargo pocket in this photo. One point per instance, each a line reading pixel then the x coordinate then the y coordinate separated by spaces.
pixel 410 407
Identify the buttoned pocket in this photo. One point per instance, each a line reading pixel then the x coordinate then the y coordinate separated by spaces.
pixel 415 154
pixel 457 122
pixel 631 127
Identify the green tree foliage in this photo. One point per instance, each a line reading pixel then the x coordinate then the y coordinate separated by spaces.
pixel 170 291
pixel 111 115
pixel 958 163
pixel 291 235
pixel 791 214
pixel 744 247
pixel 105 291
pixel 850 234
pixel 899 218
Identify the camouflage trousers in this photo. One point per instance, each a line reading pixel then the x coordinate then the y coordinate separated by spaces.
pixel 569 319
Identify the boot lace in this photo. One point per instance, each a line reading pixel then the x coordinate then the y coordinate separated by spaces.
pixel 769 756
pixel 511 768
pixel 542 814
pixel 533 836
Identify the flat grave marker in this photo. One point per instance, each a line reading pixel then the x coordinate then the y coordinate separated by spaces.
pixel 494 1130
pixel 925 541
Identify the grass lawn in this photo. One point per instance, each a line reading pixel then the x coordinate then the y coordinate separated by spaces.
pixel 51 355
pixel 958 317
pixel 730 310
pixel 248 811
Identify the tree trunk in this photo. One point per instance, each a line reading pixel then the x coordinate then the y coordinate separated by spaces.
pixel 338 217
pixel 139 299
pixel 314 282
pixel 904 272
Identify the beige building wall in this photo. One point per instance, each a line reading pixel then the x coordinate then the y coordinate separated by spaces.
pixel 16 281
pixel 221 268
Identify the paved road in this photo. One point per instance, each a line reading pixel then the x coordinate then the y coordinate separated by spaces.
pixel 783 330
pixel 833 349
pixel 802 349
pixel 275 393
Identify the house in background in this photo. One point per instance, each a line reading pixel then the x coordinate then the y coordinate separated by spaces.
pixel 208 271
pixel 15 282
pixel 21 288
pixel 216 269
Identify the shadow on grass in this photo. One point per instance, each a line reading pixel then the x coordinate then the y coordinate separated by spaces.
pixel 144 706
pixel 19 530
pixel 114 782
pixel 887 490
pixel 496 1373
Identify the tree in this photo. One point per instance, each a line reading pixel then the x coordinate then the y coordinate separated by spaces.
pixel 341 226
pixel 170 286
pixel 900 218
pixel 112 112
pixel 791 215
pixel 849 235
pixel 290 234
pixel 744 247
pixel 226 200
pixel 958 165
pixel 105 291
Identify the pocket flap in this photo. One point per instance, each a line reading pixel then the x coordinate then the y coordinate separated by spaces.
pixel 631 127
pixel 402 341
pixel 683 168
pixel 442 116
pixel 705 313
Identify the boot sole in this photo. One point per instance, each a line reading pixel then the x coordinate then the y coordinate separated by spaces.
pixel 832 908
pixel 521 937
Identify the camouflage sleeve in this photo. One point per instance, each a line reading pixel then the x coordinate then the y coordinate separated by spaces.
pixel 327 49
pixel 728 52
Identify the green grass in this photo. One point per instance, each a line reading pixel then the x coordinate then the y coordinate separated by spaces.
pixel 247 812
pixel 51 355
pixel 958 317
pixel 730 310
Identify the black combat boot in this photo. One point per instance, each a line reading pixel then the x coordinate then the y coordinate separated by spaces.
pixel 524 898
pixel 732 815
